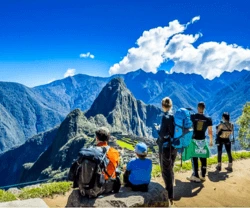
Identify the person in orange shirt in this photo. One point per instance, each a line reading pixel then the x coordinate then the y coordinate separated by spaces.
pixel 112 180
pixel 102 138
pixel 95 170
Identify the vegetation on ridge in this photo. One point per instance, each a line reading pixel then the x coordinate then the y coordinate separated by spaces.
pixel 244 123
pixel 45 190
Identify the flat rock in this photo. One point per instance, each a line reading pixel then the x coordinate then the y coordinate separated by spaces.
pixel 156 196
pixel 36 202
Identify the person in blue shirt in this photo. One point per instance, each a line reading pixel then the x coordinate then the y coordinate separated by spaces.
pixel 138 171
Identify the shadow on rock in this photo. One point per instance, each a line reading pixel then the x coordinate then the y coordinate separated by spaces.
pixel 75 198
pixel 185 189
pixel 217 176
pixel 156 197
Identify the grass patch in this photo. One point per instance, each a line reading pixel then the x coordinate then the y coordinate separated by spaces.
pixel 125 145
pixel 210 161
pixel 129 144
pixel 45 190
pixel 156 171
pixel 6 196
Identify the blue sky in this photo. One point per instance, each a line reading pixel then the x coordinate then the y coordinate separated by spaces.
pixel 41 40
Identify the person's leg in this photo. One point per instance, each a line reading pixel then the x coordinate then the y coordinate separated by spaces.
pixel 219 148
pixel 229 154
pixel 195 166
pixel 167 172
pixel 108 187
pixel 142 187
pixel 195 176
pixel 126 178
pixel 173 157
pixel 203 167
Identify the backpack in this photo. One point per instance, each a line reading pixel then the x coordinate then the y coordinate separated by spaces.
pixel 183 132
pixel 89 172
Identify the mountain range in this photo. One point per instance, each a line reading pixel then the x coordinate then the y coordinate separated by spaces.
pixel 56 149
pixel 25 112
pixel 119 105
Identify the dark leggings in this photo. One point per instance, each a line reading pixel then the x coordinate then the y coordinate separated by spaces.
pixel 227 144
pixel 196 166
pixel 167 159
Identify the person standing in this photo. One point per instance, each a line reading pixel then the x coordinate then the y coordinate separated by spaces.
pixel 199 145
pixel 167 153
pixel 224 131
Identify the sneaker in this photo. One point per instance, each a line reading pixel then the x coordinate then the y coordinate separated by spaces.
pixel 201 177
pixel 194 179
pixel 218 167
pixel 229 169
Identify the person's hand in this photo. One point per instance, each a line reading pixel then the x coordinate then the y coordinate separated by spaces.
pixel 211 143
pixel 157 127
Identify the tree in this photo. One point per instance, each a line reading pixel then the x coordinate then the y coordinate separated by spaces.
pixel 244 124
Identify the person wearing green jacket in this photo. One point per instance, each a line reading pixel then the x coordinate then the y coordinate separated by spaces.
pixel 198 148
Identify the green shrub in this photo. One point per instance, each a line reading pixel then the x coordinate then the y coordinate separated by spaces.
pixel 45 190
pixel 6 196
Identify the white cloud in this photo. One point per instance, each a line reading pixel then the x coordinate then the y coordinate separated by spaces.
pixel 159 45
pixel 209 59
pixel 69 72
pixel 195 19
pixel 151 46
pixel 86 55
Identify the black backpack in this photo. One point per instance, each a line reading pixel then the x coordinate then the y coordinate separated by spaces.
pixel 88 172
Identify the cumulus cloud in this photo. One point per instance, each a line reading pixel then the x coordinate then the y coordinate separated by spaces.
pixel 69 72
pixel 209 59
pixel 87 55
pixel 159 45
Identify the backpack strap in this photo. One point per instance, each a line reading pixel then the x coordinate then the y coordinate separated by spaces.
pixel 105 151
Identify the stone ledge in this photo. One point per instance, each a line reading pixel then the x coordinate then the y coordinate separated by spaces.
pixel 156 197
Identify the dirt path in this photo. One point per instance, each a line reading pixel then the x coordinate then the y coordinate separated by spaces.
pixel 219 190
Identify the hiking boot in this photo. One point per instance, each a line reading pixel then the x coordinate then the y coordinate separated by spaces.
pixel 229 169
pixel 218 167
pixel 194 179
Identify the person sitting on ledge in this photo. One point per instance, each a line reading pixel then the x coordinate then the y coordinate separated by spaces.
pixel 138 170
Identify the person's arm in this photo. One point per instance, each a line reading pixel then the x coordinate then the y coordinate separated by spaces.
pixel 233 133
pixel 127 173
pixel 150 168
pixel 210 133
pixel 218 129
pixel 163 128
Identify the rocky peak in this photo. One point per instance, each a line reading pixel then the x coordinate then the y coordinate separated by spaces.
pixel 122 110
